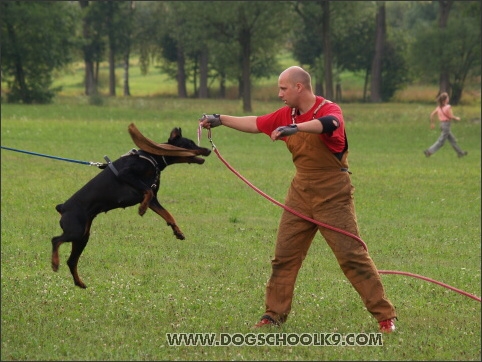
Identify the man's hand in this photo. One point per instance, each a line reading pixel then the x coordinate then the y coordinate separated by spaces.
pixel 210 120
pixel 284 131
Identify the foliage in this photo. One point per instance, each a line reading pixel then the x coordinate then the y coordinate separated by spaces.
pixel 354 47
pixel 455 48
pixel 37 38
pixel 416 214
pixel 353 44
pixel 226 32
pixel 394 69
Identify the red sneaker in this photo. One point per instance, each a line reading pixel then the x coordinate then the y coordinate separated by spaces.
pixel 266 320
pixel 387 326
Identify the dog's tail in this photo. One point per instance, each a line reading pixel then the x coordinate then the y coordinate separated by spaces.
pixel 59 208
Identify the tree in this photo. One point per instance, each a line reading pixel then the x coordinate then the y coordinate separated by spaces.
pixel 110 25
pixel 231 37
pixel 315 41
pixel 239 39
pixel 164 41
pixel 92 47
pixel 321 37
pixel 37 38
pixel 109 9
pixel 395 74
pixel 444 10
pixel 194 43
pixel 380 39
pixel 354 49
pixel 256 29
pixel 127 31
pixel 453 50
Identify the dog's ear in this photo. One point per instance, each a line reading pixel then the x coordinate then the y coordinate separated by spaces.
pixel 175 133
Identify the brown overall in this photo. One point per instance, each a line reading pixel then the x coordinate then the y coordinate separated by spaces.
pixel 322 191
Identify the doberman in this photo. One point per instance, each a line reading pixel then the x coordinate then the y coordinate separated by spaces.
pixel 131 179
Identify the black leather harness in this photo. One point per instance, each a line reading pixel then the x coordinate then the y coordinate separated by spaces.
pixel 141 154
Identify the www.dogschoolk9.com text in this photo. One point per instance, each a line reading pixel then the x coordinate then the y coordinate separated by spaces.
pixel 274 339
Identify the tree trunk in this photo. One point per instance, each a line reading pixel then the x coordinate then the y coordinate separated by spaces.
pixel 376 71
pixel 112 71
pixel 112 49
pixel 327 51
pixel 222 86
pixel 444 10
pixel 338 97
pixel 319 87
pixel 126 87
pixel 19 72
pixel 127 54
pixel 203 74
pixel 318 76
pixel 365 85
pixel 96 73
pixel 245 40
pixel 181 73
pixel 90 84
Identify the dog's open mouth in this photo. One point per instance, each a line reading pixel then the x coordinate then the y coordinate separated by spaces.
pixel 199 160
pixel 195 159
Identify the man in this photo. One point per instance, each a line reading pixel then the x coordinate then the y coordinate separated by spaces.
pixel 314 131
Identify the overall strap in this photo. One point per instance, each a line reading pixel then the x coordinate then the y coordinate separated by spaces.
pixel 293 110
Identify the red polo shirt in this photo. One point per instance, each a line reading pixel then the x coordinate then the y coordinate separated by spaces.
pixel 282 117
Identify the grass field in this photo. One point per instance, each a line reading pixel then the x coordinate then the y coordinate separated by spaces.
pixel 416 214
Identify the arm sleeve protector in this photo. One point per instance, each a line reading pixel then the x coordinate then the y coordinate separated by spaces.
pixel 330 123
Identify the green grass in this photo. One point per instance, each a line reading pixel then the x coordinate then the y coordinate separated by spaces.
pixel 416 214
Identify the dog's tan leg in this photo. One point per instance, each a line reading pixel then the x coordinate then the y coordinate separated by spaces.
pixel 158 209
pixel 148 195
pixel 77 248
pixel 55 253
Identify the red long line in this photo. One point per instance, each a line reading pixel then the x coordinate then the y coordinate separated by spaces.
pixel 286 207
pixel 430 280
pixel 336 229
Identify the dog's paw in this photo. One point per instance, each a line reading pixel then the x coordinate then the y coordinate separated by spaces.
pixel 178 233
pixel 80 284
pixel 142 210
pixel 55 262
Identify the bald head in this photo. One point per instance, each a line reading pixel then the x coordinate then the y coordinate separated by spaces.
pixel 295 75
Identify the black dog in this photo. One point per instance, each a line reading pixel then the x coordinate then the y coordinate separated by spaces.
pixel 129 180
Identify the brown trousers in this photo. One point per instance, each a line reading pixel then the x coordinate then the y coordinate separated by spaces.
pixel 326 195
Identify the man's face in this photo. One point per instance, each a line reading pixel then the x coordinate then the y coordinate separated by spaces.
pixel 287 91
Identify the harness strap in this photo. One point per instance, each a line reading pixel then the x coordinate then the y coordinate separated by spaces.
pixel 154 163
pixel 143 155
pixel 111 166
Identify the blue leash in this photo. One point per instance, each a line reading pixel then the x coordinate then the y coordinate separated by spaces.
pixel 98 164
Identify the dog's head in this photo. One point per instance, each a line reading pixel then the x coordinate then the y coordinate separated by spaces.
pixel 176 139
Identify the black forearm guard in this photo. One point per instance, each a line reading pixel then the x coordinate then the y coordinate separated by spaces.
pixel 330 123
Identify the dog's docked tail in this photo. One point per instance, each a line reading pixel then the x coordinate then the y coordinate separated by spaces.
pixel 59 208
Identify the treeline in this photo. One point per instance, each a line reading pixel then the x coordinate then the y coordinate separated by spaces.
pixel 202 45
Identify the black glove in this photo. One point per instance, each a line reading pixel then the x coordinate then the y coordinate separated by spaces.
pixel 214 120
pixel 287 130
